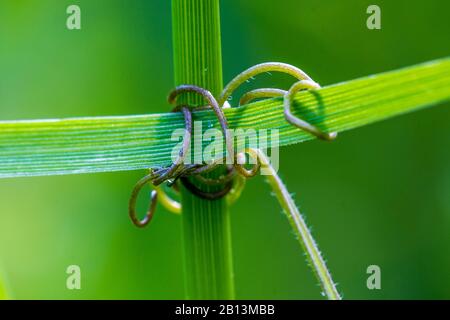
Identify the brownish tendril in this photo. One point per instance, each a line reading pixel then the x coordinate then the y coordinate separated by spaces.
pixel 180 170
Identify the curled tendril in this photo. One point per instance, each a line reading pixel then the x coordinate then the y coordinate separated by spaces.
pixel 248 173
pixel 176 167
pixel 170 204
pixel 299 123
pixel 261 93
pixel 256 70
pixel 233 184
pixel 236 190
pixel 132 204
pixel 305 82
pixel 213 103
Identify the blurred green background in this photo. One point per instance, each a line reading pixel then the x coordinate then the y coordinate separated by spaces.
pixel 378 195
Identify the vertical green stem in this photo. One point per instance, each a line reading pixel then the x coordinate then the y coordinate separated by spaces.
pixel 206 226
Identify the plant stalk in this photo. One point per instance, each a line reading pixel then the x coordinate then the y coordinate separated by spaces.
pixel 206 225
pixel 301 230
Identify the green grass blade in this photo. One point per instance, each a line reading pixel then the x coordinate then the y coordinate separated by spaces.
pixel 206 225
pixel 101 144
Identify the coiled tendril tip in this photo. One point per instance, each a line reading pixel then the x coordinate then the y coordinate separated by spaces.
pixel 232 184
pixel 180 171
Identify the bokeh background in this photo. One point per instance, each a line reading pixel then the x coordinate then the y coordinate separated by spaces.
pixel 378 195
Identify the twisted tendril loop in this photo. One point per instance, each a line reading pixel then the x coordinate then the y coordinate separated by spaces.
pixel 132 204
pixel 232 185
pixel 299 123
pixel 258 69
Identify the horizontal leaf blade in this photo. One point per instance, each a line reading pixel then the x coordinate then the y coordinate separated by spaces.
pixel 103 144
